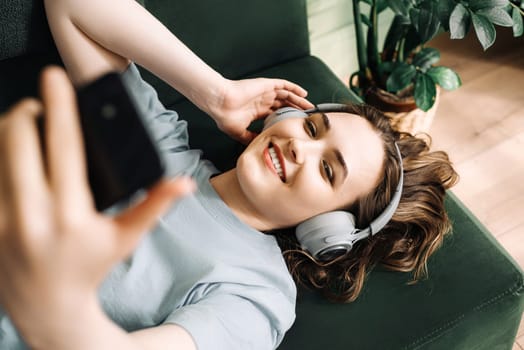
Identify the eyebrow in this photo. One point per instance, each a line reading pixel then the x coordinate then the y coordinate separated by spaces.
pixel 342 162
pixel 325 120
pixel 338 154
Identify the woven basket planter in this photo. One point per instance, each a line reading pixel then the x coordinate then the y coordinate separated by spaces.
pixel 415 121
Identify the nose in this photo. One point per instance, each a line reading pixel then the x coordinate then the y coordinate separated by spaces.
pixel 300 149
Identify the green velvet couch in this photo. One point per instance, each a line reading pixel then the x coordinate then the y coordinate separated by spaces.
pixel 473 298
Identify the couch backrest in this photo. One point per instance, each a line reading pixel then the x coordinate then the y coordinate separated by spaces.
pixel 240 37
pixel 236 37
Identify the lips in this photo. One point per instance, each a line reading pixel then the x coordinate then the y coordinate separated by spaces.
pixel 275 161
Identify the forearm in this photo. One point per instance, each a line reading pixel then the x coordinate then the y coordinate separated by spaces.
pixel 127 29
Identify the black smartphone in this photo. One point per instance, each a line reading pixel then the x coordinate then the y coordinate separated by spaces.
pixel 121 157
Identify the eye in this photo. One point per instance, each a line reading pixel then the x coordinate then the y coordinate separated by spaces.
pixel 328 171
pixel 311 128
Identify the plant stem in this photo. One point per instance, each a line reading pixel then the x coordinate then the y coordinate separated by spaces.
pixel 372 49
pixel 361 51
pixel 400 53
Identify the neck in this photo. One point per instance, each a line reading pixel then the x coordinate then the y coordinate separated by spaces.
pixel 229 190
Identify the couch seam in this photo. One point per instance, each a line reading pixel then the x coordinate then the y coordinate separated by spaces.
pixel 517 287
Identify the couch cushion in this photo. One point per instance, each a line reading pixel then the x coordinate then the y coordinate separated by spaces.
pixel 26 46
pixel 23 28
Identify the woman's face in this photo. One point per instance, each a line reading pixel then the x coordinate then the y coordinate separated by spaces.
pixel 301 167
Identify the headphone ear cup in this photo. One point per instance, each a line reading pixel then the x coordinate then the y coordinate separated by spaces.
pixel 281 114
pixel 326 233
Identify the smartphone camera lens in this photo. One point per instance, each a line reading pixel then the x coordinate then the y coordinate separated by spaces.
pixel 108 111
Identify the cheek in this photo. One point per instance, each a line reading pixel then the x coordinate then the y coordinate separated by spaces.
pixel 311 191
pixel 247 174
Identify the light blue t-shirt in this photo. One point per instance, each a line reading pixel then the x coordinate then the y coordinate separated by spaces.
pixel 200 267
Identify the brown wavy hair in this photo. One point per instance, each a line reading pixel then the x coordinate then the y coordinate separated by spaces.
pixel 415 231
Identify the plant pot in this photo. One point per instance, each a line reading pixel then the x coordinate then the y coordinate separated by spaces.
pixel 413 121
pixel 403 112
pixel 388 102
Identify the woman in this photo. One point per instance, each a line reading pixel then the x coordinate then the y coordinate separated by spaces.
pixel 206 276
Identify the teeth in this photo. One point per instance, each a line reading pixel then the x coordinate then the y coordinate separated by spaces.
pixel 276 162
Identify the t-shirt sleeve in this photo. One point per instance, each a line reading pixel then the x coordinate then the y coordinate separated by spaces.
pixel 166 129
pixel 231 322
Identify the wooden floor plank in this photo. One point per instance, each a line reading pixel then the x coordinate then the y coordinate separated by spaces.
pixel 494 165
pixel 476 109
pixel 462 141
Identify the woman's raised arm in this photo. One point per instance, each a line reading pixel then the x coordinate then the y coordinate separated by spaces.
pixel 96 36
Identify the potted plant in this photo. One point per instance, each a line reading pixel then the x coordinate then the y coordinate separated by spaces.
pixel 402 75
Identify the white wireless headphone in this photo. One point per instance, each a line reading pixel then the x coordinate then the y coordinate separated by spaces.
pixel 329 235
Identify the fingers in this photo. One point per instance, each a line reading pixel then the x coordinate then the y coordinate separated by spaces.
pixel 64 143
pixel 289 98
pixel 290 94
pixel 22 181
pixel 279 104
pixel 141 217
pixel 289 86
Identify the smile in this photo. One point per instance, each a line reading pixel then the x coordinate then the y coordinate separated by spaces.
pixel 274 160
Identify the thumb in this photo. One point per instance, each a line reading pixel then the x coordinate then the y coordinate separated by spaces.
pixel 143 216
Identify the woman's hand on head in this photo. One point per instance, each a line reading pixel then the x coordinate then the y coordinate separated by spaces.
pixel 54 246
pixel 243 101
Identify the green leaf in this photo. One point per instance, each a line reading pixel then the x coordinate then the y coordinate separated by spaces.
pixel 395 33
pixel 401 77
pixel 482 4
pixel 518 26
pixel 366 20
pixel 369 2
pixel 445 7
pixel 400 7
pixel 497 16
pixel 381 5
pixel 426 20
pixel 484 29
pixel 459 22
pixel 425 91
pixel 426 57
pixel 445 77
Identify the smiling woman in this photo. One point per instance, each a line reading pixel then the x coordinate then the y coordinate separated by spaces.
pixel 210 273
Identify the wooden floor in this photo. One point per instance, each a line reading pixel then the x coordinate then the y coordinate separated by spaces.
pixel 481 126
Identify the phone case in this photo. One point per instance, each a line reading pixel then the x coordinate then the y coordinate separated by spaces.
pixel 121 156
